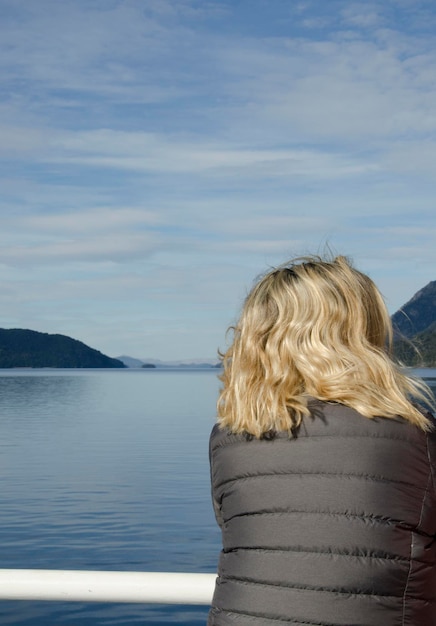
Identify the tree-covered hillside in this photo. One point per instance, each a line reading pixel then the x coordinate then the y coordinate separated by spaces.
pixel 29 348
pixel 417 314
pixel 415 329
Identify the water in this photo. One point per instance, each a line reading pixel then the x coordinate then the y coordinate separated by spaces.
pixel 106 470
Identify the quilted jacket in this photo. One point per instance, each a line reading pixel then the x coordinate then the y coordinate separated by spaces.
pixel 336 526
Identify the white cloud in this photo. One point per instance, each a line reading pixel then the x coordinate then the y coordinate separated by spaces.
pixel 92 220
pixel 410 231
pixel 415 253
pixel 108 52
pixel 149 152
pixel 361 14
pixel 269 225
pixel 340 90
pixel 19 141
pixel 417 157
pixel 98 249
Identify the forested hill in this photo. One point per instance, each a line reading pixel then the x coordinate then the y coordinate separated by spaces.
pixel 29 348
pixel 415 329
pixel 417 314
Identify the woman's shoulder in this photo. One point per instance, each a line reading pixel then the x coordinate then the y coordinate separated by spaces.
pixel 221 436
pixel 331 419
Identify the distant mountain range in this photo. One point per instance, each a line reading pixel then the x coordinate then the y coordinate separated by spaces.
pixel 158 364
pixel 414 344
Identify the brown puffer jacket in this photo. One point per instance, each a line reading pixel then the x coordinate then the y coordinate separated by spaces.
pixel 336 526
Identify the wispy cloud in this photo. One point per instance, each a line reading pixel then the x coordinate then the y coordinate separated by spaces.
pixel 94 220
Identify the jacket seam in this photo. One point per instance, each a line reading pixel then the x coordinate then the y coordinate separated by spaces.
pixel 216 611
pixel 299 474
pixel 325 552
pixel 431 469
pixel 372 518
pixel 216 445
pixel 412 545
pixel 247 581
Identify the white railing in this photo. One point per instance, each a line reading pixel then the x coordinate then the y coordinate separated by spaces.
pixel 94 586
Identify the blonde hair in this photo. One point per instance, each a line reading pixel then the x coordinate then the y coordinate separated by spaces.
pixel 313 328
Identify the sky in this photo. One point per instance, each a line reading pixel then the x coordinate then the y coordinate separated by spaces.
pixel 158 155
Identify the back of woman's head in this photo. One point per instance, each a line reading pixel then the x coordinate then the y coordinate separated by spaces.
pixel 312 328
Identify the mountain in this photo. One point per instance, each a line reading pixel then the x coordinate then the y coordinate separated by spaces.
pixel 418 313
pixel 29 348
pixel 415 329
pixel 130 361
pixel 158 364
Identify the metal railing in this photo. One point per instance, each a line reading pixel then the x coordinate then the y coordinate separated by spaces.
pixel 103 586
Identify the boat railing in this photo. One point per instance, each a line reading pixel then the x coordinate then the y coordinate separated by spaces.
pixel 106 586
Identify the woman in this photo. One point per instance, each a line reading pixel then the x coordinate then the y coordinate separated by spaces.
pixel 322 467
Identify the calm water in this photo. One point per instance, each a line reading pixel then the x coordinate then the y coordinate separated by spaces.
pixel 108 470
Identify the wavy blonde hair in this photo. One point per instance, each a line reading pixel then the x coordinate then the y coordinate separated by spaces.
pixel 313 328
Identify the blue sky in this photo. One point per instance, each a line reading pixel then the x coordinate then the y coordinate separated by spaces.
pixel 157 155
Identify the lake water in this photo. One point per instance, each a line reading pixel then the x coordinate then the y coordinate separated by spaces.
pixel 107 470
